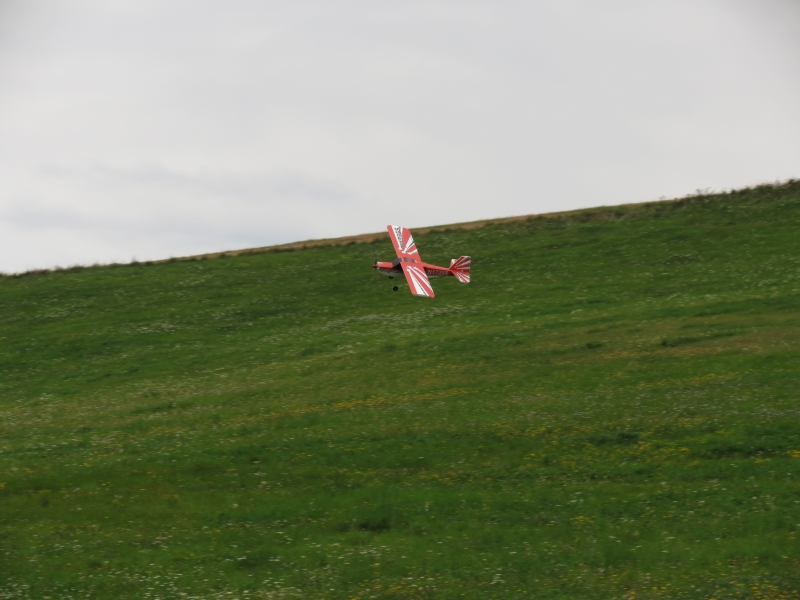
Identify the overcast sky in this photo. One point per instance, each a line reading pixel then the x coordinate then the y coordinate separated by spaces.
pixel 151 129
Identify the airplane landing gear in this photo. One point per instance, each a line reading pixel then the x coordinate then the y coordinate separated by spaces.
pixel 395 288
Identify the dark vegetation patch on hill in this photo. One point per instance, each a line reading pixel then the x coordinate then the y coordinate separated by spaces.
pixel 610 409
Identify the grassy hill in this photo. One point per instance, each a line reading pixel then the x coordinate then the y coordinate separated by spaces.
pixel 609 410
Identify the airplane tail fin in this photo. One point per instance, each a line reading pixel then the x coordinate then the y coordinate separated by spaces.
pixel 460 268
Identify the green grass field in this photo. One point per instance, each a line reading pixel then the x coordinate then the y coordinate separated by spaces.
pixel 611 409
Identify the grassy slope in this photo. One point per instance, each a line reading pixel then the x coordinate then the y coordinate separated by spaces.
pixel 610 409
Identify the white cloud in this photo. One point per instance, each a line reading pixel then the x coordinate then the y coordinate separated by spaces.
pixel 152 129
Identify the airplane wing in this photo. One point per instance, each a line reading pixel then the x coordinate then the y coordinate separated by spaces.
pixel 403 242
pixel 417 280
pixel 410 261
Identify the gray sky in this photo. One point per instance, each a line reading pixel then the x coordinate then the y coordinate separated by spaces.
pixel 151 129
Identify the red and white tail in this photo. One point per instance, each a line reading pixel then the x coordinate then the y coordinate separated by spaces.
pixel 460 268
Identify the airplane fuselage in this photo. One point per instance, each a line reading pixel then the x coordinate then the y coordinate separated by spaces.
pixel 393 269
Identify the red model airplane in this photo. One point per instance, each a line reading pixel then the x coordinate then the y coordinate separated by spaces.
pixel 409 263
